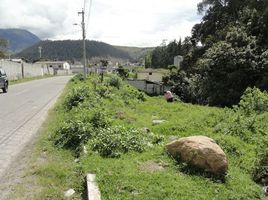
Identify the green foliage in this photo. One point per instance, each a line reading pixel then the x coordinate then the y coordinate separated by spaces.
pixel 243 120
pixel 113 141
pixel 246 121
pixel 233 55
pixel 114 81
pixel 129 94
pixel 78 78
pixel 3 45
pixel 253 101
pixel 260 173
pixel 76 96
pixel 72 134
pixel 163 56
pixel 123 73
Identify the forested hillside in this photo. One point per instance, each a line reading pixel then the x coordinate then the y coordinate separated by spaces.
pixel 136 53
pixel 72 50
pixel 226 53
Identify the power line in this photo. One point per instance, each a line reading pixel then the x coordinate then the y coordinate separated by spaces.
pixel 89 14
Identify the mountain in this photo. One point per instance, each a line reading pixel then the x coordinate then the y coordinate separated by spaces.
pixel 18 39
pixel 136 53
pixel 72 50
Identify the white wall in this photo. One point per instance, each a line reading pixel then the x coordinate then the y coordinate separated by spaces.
pixel 14 69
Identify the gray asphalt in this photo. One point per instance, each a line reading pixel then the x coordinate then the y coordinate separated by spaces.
pixel 22 111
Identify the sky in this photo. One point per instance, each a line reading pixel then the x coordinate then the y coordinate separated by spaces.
pixel 142 23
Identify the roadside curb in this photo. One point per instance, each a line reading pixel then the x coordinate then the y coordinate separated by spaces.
pixel 92 188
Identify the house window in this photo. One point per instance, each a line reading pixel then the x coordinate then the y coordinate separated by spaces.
pixel 150 73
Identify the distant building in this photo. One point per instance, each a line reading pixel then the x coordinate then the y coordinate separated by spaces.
pixel 177 60
pixel 150 75
pixel 149 87
pixel 57 65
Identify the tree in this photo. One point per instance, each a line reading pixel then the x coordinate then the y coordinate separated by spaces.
pixel 3 46
pixel 229 67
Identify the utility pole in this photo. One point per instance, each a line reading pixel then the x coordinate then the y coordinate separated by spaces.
pixel 84 41
pixel 40 51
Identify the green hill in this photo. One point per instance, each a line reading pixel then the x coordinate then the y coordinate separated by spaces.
pixel 136 53
pixel 72 50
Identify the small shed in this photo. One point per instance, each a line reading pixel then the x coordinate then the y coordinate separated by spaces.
pixel 149 87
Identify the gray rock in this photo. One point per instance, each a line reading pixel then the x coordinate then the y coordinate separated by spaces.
pixel 158 121
pixel 69 193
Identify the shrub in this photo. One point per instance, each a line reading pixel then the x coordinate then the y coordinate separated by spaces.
pixel 114 81
pixel 100 119
pixel 253 101
pixel 76 96
pixel 77 78
pixel 260 173
pixel 103 90
pixel 72 134
pixel 113 141
pixel 244 120
pixel 128 93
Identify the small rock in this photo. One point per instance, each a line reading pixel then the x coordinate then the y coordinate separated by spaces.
pixel 172 138
pixel 149 144
pixel 265 189
pixel 158 121
pixel 69 193
pixel 147 130
pixel 76 160
pixel 85 150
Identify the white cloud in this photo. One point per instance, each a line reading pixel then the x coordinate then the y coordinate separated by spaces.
pixel 119 22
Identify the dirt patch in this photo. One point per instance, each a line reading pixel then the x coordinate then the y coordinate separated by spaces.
pixel 151 166
pixel 18 177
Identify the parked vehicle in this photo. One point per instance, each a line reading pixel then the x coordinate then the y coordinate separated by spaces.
pixel 3 81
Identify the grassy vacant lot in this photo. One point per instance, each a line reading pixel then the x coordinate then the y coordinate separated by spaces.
pixel 106 128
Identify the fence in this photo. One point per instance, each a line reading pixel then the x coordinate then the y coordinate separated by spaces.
pixel 17 70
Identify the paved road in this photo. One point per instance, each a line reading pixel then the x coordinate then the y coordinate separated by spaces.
pixel 22 111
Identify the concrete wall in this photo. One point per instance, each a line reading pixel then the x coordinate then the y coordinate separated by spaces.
pixel 149 88
pixel 139 84
pixel 153 76
pixel 16 70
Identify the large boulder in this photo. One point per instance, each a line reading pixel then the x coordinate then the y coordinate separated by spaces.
pixel 201 152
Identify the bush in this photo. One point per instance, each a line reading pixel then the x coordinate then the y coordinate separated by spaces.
pixel 243 120
pixel 114 81
pixel 129 94
pixel 76 96
pixel 103 91
pixel 253 101
pixel 72 134
pixel 100 119
pixel 260 173
pixel 113 141
pixel 77 78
